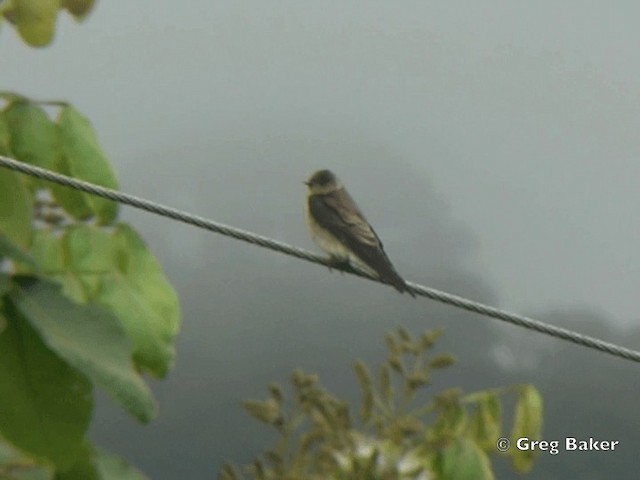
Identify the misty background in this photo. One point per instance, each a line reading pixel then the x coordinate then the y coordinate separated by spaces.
pixel 493 145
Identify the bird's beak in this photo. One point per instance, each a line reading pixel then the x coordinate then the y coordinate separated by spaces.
pixel 306 183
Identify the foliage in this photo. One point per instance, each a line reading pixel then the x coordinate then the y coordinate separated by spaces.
pixel 394 435
pixel 35 20
pixel 83 302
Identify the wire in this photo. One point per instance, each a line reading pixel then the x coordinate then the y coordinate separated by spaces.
pixel 255 239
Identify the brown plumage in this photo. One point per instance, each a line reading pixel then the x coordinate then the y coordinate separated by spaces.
pixel 340 228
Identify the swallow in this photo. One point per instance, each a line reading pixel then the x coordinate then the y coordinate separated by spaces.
pixel 339 228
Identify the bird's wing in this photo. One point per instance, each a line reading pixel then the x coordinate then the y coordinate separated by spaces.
pixel 338 213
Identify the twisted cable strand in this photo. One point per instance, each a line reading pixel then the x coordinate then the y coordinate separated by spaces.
pixel 265 242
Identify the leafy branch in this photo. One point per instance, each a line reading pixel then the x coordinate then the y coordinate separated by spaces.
pixel 396 434
pixel 83 302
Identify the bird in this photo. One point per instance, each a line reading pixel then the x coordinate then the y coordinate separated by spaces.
pixel 338 227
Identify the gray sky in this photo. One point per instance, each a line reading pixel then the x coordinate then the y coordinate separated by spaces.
pixel 525 117
pixel 493 145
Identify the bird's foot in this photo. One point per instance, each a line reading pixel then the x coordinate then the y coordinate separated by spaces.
pixel 339 263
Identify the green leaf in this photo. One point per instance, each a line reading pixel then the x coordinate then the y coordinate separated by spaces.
pixel 363 375
pixel 10 455
pixel 276 393
pixel 78 8
pixel 15 209
pixel 36 20
pixel 403 334
pixel 428 338
pixel 34 473
pixel 229 472
pixel 3 322
pixel 485 424
pixel 83 469
pixel 5 285
pixel 267 411
pixel 143 300
pixel 443 360
pixel 527 423
pixel 462 460
pixel 10 250
pixel 46 249
pixel 112 467
pixel 74 202
pixel 29 474
pixel 386 390
pixel 90 254
pixel 20 465
pixel 45 405
pixel 5 138
pixel 34 138
pixel 115 268
pixel 90 339
pixel 98 464
pixel 48 252
pixel 365 382
pixel 452 419
pixel 11 96
pixel 86 160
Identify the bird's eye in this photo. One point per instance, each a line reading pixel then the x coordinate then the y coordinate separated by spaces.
pixel 325 177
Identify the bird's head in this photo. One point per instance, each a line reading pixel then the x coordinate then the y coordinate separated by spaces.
pixel 322 182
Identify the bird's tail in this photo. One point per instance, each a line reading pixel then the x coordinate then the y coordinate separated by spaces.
pixel 383 269
pixel 396 281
